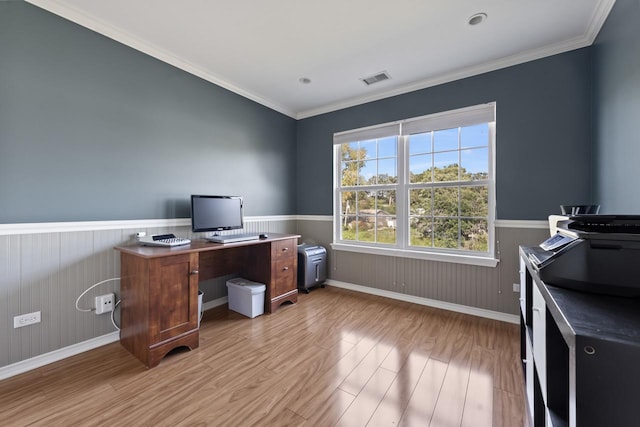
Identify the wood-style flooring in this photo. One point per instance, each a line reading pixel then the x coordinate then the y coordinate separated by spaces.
pixel 336 357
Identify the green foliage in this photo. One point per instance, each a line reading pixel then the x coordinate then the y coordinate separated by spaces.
pixel 352 162
pixel 451 217
pixel 384 235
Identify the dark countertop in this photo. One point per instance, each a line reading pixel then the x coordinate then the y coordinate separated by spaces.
pixel 599 316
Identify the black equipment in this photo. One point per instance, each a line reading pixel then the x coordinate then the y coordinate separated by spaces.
pixel 592 253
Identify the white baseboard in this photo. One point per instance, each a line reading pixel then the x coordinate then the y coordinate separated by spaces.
pixel 459 308
pixel 215 303
pixel 57 355
pixel 72 350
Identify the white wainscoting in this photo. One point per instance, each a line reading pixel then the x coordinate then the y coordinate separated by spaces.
pixel 45 266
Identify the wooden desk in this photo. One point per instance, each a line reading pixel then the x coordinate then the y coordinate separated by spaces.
pixel 159 287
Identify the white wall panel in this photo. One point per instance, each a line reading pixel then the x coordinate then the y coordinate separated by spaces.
pixel 46 271
pixel 489 288
pixel 45 268
pixel 9 295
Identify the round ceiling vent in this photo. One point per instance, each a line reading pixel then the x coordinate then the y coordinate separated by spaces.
pixel 476 19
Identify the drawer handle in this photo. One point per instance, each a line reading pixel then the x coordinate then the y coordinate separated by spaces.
pixel 285 249
pixel 536 309
pixel 285 268
pixel 195 272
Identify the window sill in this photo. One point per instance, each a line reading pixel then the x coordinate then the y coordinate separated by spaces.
pixel 431 256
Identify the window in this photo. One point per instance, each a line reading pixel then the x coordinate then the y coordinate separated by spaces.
pixel 422 187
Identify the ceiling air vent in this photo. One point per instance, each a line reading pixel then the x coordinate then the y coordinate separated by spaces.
pixel 380 77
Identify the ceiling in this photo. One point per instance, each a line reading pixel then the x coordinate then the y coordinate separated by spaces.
pixel 261 49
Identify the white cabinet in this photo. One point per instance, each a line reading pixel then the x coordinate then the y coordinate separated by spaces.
pixel 539 343
pixel 523 291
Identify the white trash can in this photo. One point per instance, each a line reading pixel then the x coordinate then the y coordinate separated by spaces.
pixel 246 297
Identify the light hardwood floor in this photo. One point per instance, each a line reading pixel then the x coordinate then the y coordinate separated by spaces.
pixel 336 357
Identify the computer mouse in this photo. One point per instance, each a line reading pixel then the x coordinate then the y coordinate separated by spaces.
pixel 263 236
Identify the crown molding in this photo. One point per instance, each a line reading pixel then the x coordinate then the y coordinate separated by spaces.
pixel 509 61
pixel 598 19
pixel 61 9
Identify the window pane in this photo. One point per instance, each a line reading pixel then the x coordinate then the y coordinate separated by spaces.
pixel 420 168
pixel 474 136
pixel 368 149
pixel 348 204
pixel 366 202
pixel 445 233
pixel 446 166
pixel 348 215
pixel 361 165
pixel 349 174
pixel 386 202
pixel 475 164
pixel 386 229
pixel 387 171
pixel 421 232
pixel 348 227
pixel 388 147
pixel 473 201
pixel 420 201
pixel 366 228
pixel 475 234
pixel 420 143
pixel 445 201
pixel 367 173
pixel 349 151
pixel 445 140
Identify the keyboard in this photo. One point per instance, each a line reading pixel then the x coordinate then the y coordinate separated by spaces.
pixel 230 238
pixel 166 240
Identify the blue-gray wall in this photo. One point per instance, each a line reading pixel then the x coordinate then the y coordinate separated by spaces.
pixel 543 134
pixel 86 124
pixel 616 104
pixel 93 130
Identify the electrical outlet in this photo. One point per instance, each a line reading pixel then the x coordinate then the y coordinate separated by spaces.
pixel 104 303
pixel 26 319
pixel 516 287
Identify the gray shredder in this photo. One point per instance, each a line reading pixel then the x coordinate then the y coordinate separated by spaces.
pixel 312 266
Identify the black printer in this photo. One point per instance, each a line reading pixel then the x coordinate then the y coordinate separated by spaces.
pixel 592 253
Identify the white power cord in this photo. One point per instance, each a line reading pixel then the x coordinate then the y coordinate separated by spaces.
pixel 113 320
pixel 86 310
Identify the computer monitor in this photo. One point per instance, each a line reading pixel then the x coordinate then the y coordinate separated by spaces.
pixel 216 213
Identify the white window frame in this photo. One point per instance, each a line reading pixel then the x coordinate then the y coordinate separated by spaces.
pixel 484 113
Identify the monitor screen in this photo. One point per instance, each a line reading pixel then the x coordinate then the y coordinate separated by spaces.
pixel 216 213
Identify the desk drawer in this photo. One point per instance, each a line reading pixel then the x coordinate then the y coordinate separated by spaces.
pixel 285 276
pixel 285 249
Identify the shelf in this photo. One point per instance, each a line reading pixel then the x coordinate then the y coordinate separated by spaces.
pixel 581 369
